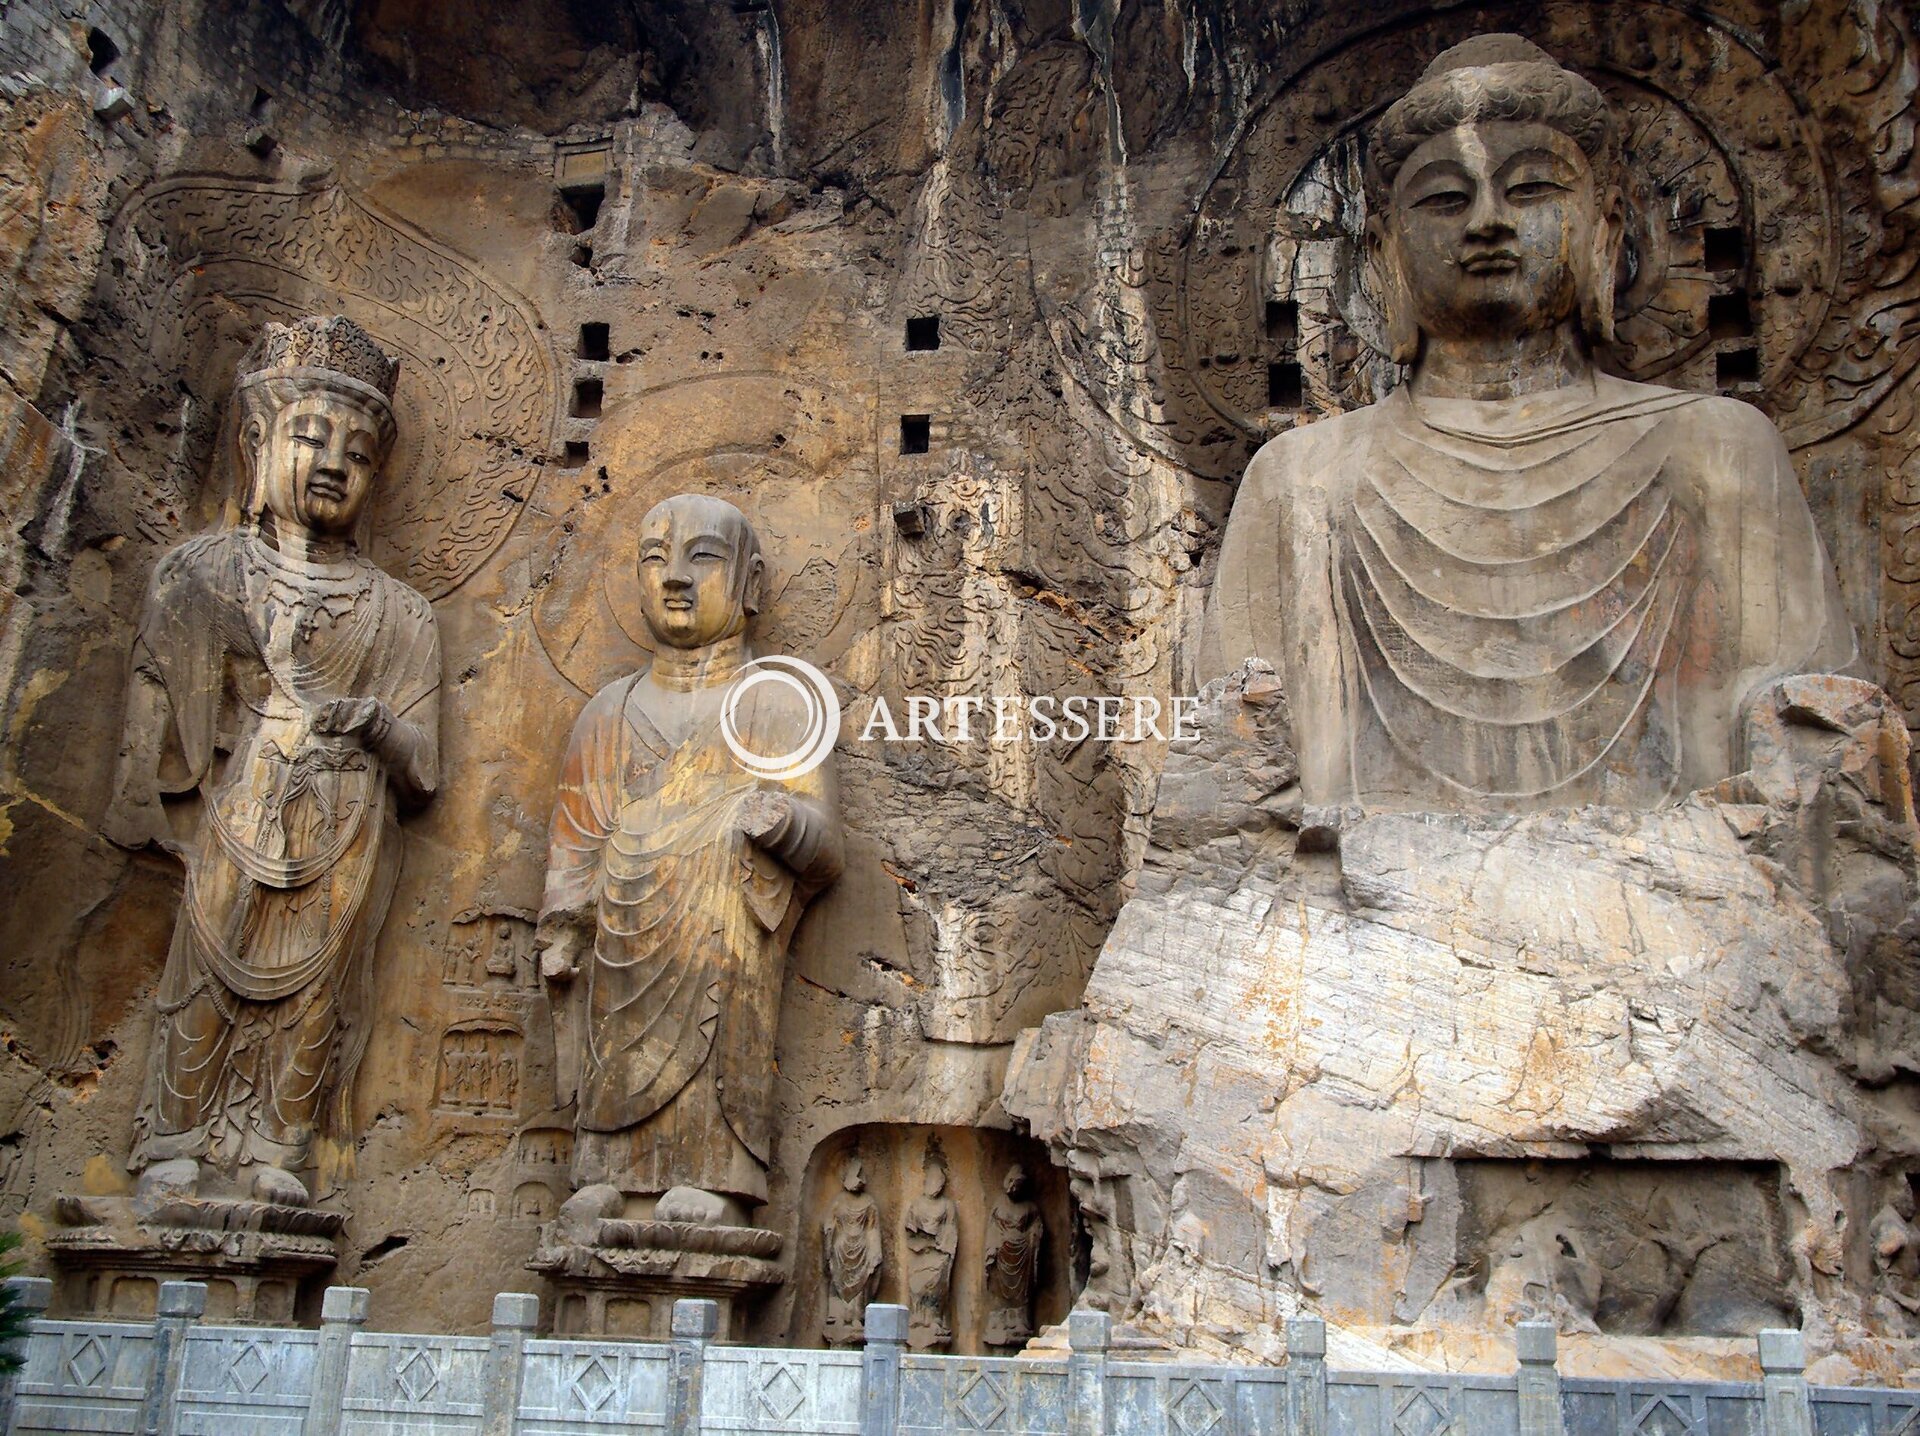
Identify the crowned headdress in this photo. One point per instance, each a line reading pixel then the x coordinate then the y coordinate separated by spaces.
pixel 330 350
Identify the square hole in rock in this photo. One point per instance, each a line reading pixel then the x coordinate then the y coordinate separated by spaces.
pixel 587 396
pixel 923 333
pixel 1724 249
pixel 1729 316
pixel 595 342
pixel 1286 386
pixel 579 207
pixel 1736 366
pixel 1283 321
pixel 916 433
pixel 575 456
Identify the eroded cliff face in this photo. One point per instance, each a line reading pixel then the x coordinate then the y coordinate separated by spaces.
pixel 978 311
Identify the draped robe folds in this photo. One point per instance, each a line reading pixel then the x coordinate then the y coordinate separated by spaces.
pixel 932 1237
pixel 1510 605
pixel 1014 1233
pixel 691 922
pixel 288 876
pixel 851 1234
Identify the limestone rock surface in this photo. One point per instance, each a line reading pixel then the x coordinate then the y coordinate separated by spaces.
pixel 1448 1072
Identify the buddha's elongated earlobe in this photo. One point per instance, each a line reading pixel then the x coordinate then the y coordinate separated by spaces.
pixel 1603 268
pixel 252 436
pixel 1389 282
pixel 753 584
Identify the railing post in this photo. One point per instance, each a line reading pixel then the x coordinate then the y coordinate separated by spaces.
pixel 880 1369
pixel 1539 1378
pixel 343 1311
pixel 695 1323
pixel 1783 1368
pixel 1089 1337
pixel 515 1314
pixel 1306 1376
pixel 181 1304
pixel 31 1296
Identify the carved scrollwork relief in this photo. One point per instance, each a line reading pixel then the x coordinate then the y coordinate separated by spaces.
pixel 198 262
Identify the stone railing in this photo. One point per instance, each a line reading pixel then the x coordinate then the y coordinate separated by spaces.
pixel 175 1376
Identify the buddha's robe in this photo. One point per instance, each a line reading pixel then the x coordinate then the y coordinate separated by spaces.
pixel 691 924
pixel 932 1232
pixel 1512 605
pixel 263 1002
pixel 851 1234
pixel 1014 1234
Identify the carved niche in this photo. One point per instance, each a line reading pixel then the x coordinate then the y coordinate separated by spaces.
pixel 480 1070
pixel 492 952
pixel 933 1226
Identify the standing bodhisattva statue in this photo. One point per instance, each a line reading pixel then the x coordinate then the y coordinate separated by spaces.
pixel 295 688
pixel 1517 583
pixel 675 878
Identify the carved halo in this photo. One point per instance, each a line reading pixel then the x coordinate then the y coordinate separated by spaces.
pixel 202 261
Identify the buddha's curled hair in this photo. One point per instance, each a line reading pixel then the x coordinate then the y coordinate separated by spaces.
pixel 1492 77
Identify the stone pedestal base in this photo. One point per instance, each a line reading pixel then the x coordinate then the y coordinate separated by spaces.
pixel 620 1277
pixel 113 1253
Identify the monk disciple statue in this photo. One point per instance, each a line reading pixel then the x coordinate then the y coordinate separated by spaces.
pixel 933 1236
pixel 675 879
pixel 294 688
pixel 1517 583
pixel 1014 1234
pixel 851 1249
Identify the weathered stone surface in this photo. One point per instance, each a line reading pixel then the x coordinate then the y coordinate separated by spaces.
pixel 700 249
pixel 1439 1006
pixel 1393 1081
pixel 254 1257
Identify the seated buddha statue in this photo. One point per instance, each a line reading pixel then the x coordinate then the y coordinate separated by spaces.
pixel 1517 582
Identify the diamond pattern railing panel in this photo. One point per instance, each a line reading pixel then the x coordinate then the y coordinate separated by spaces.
pixel 1639 1408
pixel 247 1378
pixel 401 1385
pixel 94 1377
pixel 1841 1412
pixel 83 1376
pixel 965 1394
pixel 570 1387
pixel 761 1393
pixel 1421 1404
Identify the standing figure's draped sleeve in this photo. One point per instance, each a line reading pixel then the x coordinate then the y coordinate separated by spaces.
pixel 410 686
pixel 586 809
pixel 174 684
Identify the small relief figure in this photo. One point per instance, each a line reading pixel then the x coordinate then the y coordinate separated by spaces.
pixel 851 1242
pixel 1097 1198
pixel 1014 1234
pixel 506 1081
pixel 462 961
pixel 532 1202
pixel 675 878
pixel 933 1236
pixel 453 1065
pixel 500 956
pixel 294 688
